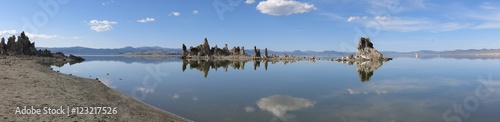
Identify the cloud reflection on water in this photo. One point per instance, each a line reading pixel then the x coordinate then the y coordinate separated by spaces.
pixel 278 105
pixel 107 82
pixel 407 99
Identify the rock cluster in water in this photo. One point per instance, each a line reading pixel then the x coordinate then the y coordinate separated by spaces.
pixel 204 50
pixel 367 59
pixel 256 52
pixel 364 52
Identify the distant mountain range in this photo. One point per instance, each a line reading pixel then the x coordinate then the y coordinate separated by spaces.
pixel 109 51
pixel 164 51
pixel 176 51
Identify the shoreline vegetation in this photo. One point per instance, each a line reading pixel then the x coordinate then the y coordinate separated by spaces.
pixel 28 81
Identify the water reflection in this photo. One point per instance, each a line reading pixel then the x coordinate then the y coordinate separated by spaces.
pixel 278 105
pixel 205 65
pixel 422 91
pixel 365 68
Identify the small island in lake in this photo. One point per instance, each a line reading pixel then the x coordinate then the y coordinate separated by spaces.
pixel 205 52
pixel 365 52
pixel 367 59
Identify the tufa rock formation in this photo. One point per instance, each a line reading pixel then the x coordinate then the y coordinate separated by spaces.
pixel 256 52
pixel 235 51
pixel 11 44
pixel 367 59
pixel 225 49
pixel 243 50
pixel 184 50
pixel 204 49
pixel 265 53
pixel 23 46
pixel 3 47
pixel 365 51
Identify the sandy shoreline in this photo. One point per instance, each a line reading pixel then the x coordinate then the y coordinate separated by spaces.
pixel 26 83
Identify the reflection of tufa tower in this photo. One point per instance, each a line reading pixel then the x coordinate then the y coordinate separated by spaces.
pixel 366 69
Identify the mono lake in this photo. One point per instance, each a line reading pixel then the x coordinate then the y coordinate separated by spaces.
pixel 404 89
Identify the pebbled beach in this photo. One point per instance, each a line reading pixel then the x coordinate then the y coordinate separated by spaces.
pixel 25 82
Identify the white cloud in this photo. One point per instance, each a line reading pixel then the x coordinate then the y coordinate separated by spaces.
pixel 33 35
pixel 45 36
pixel 284 7
pixel 108 2
pixel 101 26
pixel 74 37
pixel 381 18
pixel 332 16
pixel 411 24
pixel 147 19
pixel 174 13
pixel 41 36
pixel 355 18
pixel 488 16
pixel 418 3
pixel 249 1
pixel 485 16
pixel 196 12
pixel 402 24
pixel 488 25
pixel 8 32
pixel 489 6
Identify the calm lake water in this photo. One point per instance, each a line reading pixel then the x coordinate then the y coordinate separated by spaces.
pixel 402 90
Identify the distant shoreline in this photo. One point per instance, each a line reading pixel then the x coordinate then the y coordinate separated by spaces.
pixel 28 83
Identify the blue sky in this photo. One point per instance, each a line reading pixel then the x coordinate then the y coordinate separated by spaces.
pixel 284 25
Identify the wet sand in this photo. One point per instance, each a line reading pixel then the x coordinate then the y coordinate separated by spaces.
pixel 24 82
